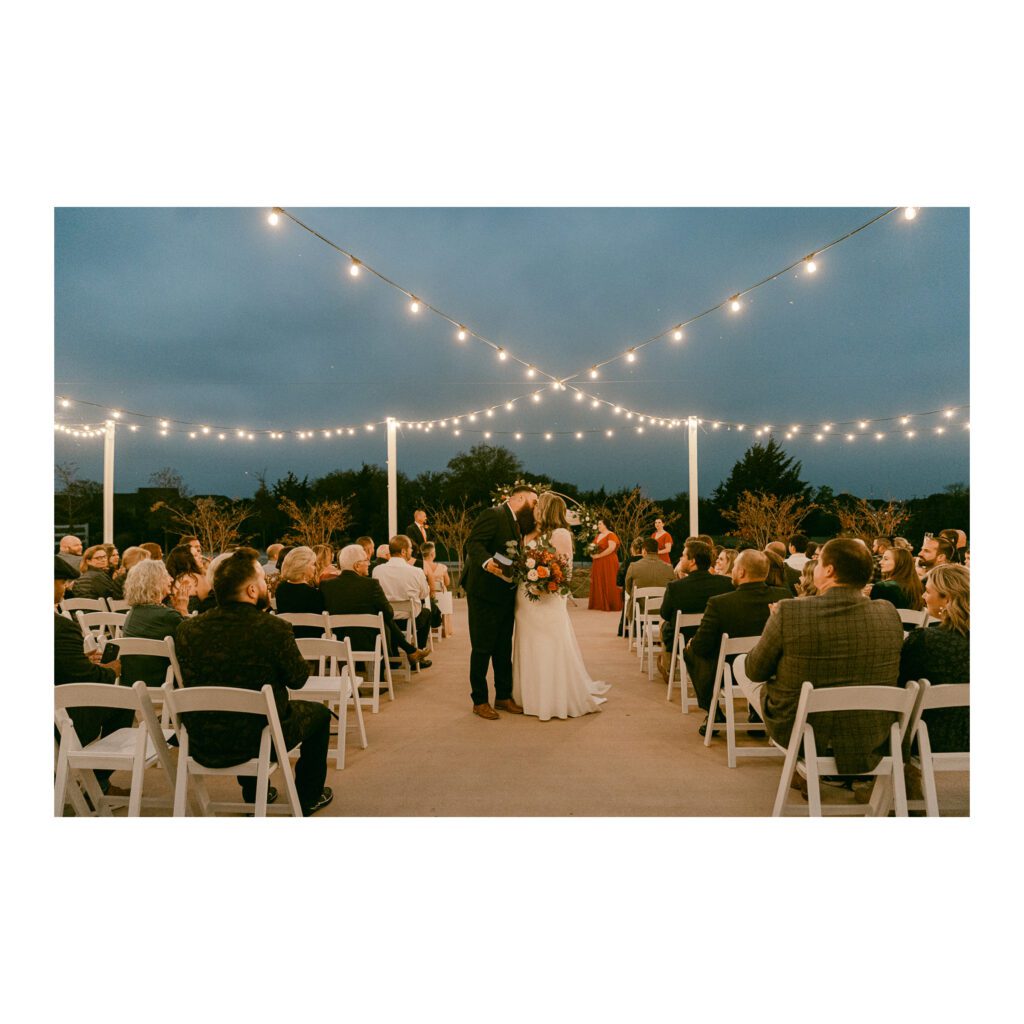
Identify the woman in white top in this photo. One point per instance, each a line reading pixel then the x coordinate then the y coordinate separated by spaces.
pixel 549 678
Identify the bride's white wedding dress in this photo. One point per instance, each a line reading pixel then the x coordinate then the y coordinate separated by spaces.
pixel 549 678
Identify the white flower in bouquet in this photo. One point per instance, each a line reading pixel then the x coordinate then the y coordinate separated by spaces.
pixel 531 562
pixel 531 544
pixel 532 576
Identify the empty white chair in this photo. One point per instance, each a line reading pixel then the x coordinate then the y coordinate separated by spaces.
pixel 648 624
pixel 341 622
pixel 234 699
pixel 101 626
pixel 133 748
pixel 678 643
pixel 947 695
pixel 725 694
pixel 336 684
pixel 889 784
pixel 314 620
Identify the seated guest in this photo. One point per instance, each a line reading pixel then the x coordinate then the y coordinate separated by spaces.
pixel 689 595
pixel 806 587
pixel 790 576
pixel 72 665
pixel 797 552
pixel 953 536
pixel 812 549
pixel 236 644
pixel 724 562
pixel 934 551
pixel 196 547
pixel 71 552
pixel 132 556
pixel 636 552
pixel 210 601
pixel 382 555
pixel 354 593
pixel 942 653
pixel 741 612
pixel 94 581
pixel 297 590
pixel 900 584
pixel 154 549
pixel 879 546
pixel 325 569
pixel 402 581
pixel 113 559
pixel 270 561
pixel 146 587
pixel 650 570
pixel 188 576
pixel 366 543
pixel 902 542
pixel 440 582
pixel 838 638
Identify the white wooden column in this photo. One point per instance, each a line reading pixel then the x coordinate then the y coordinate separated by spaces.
pixel 392 478
pixel 692 424
pixel 108 484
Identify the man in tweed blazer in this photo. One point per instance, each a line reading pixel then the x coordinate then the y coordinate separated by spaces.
pixel 839 638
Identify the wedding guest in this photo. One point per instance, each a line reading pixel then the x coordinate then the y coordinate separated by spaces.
pixel 188 576
pixel 353 592
pixel 147 586
pixel 838 638
pixel 725 561
pixel 797 552
pixel 777 576
pixel 902 542
pixel 382 554
pixel 942 653
pixel 113 559
pixel 604 595
pixel 790 576
pixel 71 552
pixel 154 549
pixel 689 595
pixel 325 568
pixel 740 612
pixel 402 581
pixel 934 551
pixel 417 531
pixel 812 549
pixel 367 544
pixel 297 590
pixel 236 644
pixel 649 571
pixel 273 552
pixel 900 585
pixel 953 537
pixel 636 552
pixel 94 581
pixel 132 556
pixel 210 601
pixel 806 587
pixel 664 540
pixel 440 582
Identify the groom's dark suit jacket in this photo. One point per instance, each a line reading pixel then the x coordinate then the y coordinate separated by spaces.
pixel 495 599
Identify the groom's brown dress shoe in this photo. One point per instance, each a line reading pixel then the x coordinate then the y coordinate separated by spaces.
pixel 485 711
pixel 508 705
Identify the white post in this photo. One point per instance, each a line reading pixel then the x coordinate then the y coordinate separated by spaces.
pixel 692 423
pixel 392 477
pixel 108 484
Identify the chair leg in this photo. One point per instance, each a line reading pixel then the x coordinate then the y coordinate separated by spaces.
pixel 339 755
pixel 928 788
pixel 672 671
pixel 359 719
pixel 788 768
pixel 60 785
pixel 263 775
pixel 181 782
pixel 138 774
pixel 899 783
pixel 716 694
pixel 730 721
pixel 813 779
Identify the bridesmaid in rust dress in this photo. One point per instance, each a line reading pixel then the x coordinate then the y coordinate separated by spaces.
pixel 604 594
pixel 664 540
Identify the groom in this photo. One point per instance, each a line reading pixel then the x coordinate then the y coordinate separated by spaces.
pixel 492 601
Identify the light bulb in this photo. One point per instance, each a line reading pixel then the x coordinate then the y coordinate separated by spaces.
pixel 948 414
pixel 116 415
pixel 677 334
pixel 904 420
pixel 579 436
pixel 715 425
pixel 812 267
pixel 819 437
pixel 206 430
pixel 827 427
pixel 640 419
pixel 536 396
pixel 455 421
pixel 414 306
pixel 531 372
pixel 616 409
pixel 462 334
pixel 789 436
pixel 940 430
pixel 354 268
pixel 443 423
pixel 502 354
pixel 608 433
pixel 910 212
pixel 490 413
pixel 862 424
pixel 456 432
pixel 734 303
pixel 850 437
pixel 629 415
pixel 639 430
pixel 191 433
pixel 630 356
pixel 163 433
pixel 64 403
pixel 371 427
pixel 878 437
pixel 547 437
pixel 911 433
pixel 740 426
pixel 133 428
pixel 273 218
pixel 594 404
pixel 593 373
pixel 518 437
pixel 579 396
pixel 487 433
pixel 164 423
pixel 472 417
pixel 221 436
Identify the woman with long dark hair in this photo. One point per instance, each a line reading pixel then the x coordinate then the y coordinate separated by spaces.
pixel 900 584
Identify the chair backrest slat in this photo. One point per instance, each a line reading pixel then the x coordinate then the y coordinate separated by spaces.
pixel 216 698
pixel 95 695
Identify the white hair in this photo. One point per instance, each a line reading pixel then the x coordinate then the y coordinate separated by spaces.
pixel 146 582
pixel 349 555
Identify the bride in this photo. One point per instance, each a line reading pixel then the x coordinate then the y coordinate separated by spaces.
pixel 549 678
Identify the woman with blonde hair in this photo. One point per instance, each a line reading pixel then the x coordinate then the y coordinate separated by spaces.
pixel 549 677
pixel 724 562
pixel 942 654
pixel 805 587
pixel 297 590
pixel 325 567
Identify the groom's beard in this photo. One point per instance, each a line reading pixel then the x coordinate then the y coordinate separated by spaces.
pixel 526 520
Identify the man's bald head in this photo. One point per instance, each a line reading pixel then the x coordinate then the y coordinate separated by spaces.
pixel 778 547
pixel 70 545
pixel 750 567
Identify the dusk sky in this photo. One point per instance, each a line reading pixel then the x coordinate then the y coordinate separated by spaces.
pixel 213 316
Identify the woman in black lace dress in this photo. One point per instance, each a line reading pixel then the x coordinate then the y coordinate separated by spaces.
pixel 942 653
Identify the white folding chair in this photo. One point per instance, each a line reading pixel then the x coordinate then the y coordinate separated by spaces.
pixel 314 620
pixel 647 601
pixel 725 694
pixel 678 643
pixel 234 699
pixel 113 605
pixel 133 748
pixel 101 626
pixel 335 684
pixel 131 646
pixel 71 605
pixel 407 610
pixel 946 695
pixel 889 786
pixel 913 619
pixel 372 622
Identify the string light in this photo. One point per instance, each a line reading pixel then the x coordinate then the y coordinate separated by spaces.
pixel 910 212
pixel 579 435
pixel 519 436
pixel 631 356
pixel 490 413
pixel 353 267
pixel 677 335
pixel 735 304
pixel 810 265
pixel 580 396
pixel 531 372
pixel 502 354
pixel 536 396
pixel 593 373
pixel 462 334
pixel 414 306
pixel 273 218
pixel 547 437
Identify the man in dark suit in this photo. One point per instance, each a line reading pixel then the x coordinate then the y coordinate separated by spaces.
pixel 491 600
pixel 689 595
pixel 742 612
pixel 418 532
pixel 355 593
pixel 238 644
pixel 839 638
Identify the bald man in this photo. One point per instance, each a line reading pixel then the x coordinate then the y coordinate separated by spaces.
pixel 71 551
pixel 741 612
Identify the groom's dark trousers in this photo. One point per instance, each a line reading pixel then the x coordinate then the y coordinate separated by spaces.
pixel 492 604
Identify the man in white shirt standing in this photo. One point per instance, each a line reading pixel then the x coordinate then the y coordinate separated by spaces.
pixel 402 581
pixel 797 552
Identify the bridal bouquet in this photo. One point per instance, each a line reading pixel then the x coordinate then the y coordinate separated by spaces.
pixel 539 568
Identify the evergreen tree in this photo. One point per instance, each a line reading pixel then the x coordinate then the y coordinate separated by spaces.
pixel 764 468
pixel 474 474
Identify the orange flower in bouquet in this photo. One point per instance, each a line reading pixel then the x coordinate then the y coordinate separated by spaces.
pixel 539 568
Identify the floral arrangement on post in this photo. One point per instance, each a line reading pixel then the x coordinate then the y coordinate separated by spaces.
pixel 539 568
pixel 583 518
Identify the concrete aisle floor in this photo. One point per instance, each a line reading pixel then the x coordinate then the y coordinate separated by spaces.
pixel 429 755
